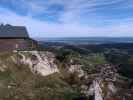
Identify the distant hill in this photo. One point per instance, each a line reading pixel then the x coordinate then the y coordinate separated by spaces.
pixel 89 40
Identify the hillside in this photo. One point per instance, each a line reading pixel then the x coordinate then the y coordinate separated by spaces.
pixel 32 75
pixel 109 65
pixel 67 72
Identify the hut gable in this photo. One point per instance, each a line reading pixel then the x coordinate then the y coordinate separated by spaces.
pixel 8 31
pixel 15 38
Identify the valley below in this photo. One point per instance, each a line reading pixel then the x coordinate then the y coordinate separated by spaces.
pixel 61 71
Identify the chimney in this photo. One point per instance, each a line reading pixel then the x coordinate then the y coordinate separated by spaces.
pixel 1 24
pixel 8 25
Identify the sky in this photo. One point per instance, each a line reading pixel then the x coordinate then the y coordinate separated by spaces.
pixel 70 18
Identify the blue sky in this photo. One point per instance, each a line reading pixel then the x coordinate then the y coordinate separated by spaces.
pixel 70 18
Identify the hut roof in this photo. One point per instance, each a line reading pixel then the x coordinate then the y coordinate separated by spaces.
pixel 9 31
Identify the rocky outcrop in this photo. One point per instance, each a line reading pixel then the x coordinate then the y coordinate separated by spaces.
pixel 97 91
pixel 104 85
pixel 76 68
pixel 40 62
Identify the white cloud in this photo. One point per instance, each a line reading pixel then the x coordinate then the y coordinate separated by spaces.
pixel 75 7
pixel 70 19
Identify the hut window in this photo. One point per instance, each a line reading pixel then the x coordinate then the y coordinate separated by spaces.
pixel 16 46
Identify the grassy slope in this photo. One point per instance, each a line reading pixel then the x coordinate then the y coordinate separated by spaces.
pixel 18 83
